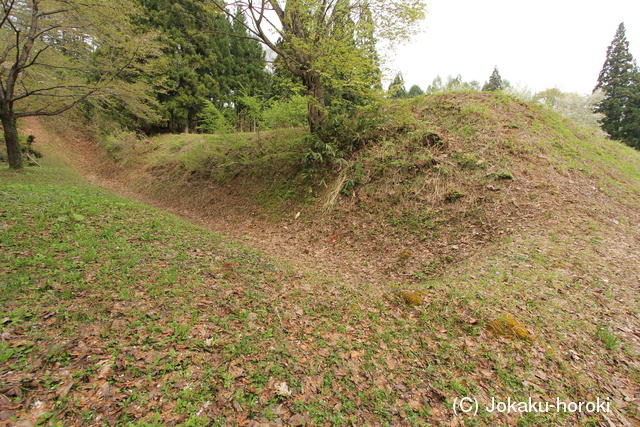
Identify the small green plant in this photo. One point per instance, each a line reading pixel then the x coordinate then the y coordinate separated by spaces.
pixel 501 175
pixel 611 341
pixel 468 160
pixel 453 196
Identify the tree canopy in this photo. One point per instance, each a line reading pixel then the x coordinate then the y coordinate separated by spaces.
pixel 209 59
pixel 57 53
pixel 397 88
pixel 330 44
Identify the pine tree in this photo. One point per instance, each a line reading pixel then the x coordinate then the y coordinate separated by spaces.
pixel 619 80
pixel 495 82
pixel 249 63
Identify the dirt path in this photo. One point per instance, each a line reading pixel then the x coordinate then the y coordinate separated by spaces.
pixel 289 239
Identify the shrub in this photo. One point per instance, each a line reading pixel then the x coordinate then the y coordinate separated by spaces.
pixel 282 113
pixel 212 120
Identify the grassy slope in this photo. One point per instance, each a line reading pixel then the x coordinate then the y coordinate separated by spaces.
pixel 118 313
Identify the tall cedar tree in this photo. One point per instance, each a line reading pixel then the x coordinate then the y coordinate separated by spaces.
pixel 630 124
pixel 495 82
pixel 619 80
pixel 209 59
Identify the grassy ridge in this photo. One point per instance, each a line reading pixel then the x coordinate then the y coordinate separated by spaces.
pixel 114 313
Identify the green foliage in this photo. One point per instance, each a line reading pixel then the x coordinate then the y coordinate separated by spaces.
pixel 495 82
pixel 619 79
pixel 281 113
pixel 341 134
pixel 212 120
pixel 453 84
pixel 249 112
pixel 414 91
pixel 630 124
pixel 121 143
pixel 396 88
pixel 60 53
pixel 330 46
pixel 207 58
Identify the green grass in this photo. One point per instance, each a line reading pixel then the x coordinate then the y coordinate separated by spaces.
pixel 157 302
pixel 115 313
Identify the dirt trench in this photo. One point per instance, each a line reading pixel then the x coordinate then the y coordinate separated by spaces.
pixel 313 249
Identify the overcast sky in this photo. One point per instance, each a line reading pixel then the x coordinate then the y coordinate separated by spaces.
pixel 541 45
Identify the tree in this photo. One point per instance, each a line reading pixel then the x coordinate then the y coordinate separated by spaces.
pixel 250 80
pixel 454 84
pixel 630 124
pixel 619 80
pixel 197 51
pixel 315 38
pixel 579 108
pixel 55 54
pixel 415 91
pixel 495 82
pixel 396 88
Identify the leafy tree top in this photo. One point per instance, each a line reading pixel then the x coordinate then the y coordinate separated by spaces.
pixel 330 43
pixel 414 91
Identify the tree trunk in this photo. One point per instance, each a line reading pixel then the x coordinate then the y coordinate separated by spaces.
pixel 14 155
pixel 316 114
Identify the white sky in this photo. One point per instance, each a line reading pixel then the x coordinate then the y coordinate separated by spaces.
pixel 540 45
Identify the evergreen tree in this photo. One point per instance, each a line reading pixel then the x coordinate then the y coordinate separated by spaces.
pixel 495 82
pixel 630 123
pixel 249 64
pixel 365 40
pixel 209 59
pixel 619 81
pixel 396 88
pixel 250 82
pixel 199 62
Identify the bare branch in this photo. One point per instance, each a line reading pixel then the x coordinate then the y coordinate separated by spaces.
pixel 39 92
pixel 6 10
pixel 43 111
